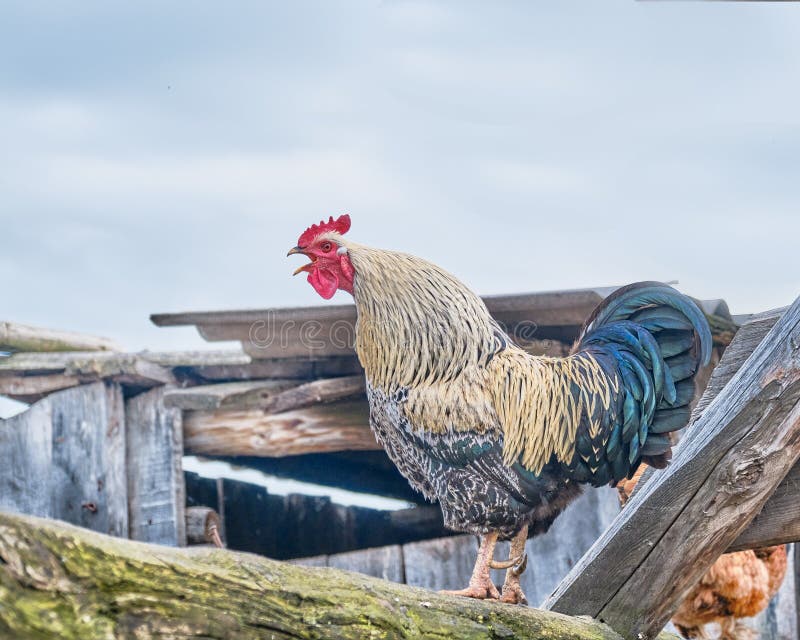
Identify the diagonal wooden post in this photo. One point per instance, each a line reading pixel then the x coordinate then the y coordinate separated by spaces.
pixel 726 468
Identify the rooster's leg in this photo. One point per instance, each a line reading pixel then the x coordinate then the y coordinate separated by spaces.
pixel 512 592
pixel 480 584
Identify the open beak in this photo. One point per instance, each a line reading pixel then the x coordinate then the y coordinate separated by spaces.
pixel 305 267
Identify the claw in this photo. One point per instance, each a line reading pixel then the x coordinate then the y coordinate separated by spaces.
pixel 519 569
pixel 479 591
pixel 508 564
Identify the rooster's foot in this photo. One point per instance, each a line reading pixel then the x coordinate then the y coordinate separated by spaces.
pixel 512 591
pixel 513 594
pixel 478 589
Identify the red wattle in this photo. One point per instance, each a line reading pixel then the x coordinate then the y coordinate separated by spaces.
pixel 324 281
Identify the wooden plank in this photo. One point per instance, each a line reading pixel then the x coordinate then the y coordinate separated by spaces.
pixel 21 337
pixel 270 396
pixel 314 393
pixel 33 388
pixel 329 331
pixel 156 489
pixel 747 338
pixel 25 461
pixel 313 561
pixel 226 395
pixel 339 426
pixel 382 562
pixel 298 368
pixel 31 376
pixel 779 520
pixel 672 530
pixel 440 564
pixel 87 479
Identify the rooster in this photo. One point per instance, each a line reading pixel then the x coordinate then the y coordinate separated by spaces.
pixel 738 585
pixel 503 440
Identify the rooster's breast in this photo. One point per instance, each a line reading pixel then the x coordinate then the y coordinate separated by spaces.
pixel 465 473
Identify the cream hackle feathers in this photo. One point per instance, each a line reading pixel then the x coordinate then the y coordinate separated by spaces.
pixel 422 331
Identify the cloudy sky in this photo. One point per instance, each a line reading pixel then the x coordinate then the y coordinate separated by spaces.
pixel 164 156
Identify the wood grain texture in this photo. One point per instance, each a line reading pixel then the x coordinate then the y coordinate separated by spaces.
pixel 26 452
pixel 269 396
pixel 671 531
pixel 32 376
pixel 385 563
pixel 21 337
pixel 156 489
pixel 100 588
pixel 225 395
pixel 87 479
pixel 329 331
pixel 340 426
pixel 779 521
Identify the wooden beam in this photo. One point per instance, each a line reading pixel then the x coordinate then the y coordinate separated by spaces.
pixel 329 331
pixel 270 396
pixel 31 376
pixel 21 337
pixel 102 587
pixel 225 395
pixel 779 520
pixel 156 489
pixel 725 469
pixel 341 426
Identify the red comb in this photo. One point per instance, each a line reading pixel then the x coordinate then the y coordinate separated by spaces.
pixel 341 225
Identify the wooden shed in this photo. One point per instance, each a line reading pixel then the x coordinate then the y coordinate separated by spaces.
pixel 102 446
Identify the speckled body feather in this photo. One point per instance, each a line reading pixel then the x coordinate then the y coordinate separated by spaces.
pixel 499 437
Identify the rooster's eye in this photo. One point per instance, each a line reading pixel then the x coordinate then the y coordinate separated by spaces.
pixel 326 246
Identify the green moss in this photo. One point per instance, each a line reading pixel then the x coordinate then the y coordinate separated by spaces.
pixel 60 581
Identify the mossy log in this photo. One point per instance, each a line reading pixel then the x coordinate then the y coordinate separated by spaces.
pixel 60 581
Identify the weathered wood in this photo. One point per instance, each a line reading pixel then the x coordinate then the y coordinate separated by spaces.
pixel 156 490
pixel 779 520
pixel 672 530
pixel 32 388
pixel 317 392
pixel 60 581
pixel 385 563
pixel 21 337
pixel 31 376
pixel 26 454
pixel 339 426
pixel 747 338
pixel 440 564
pixel 329 331
pixel 298 369
pixel 226 395
pixel 203 526
pixel 87 482
pixel 270 396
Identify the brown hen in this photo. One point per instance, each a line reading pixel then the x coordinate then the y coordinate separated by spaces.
pixel 738 585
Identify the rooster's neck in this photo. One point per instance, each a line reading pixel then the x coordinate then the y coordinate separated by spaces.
pixel 417 324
